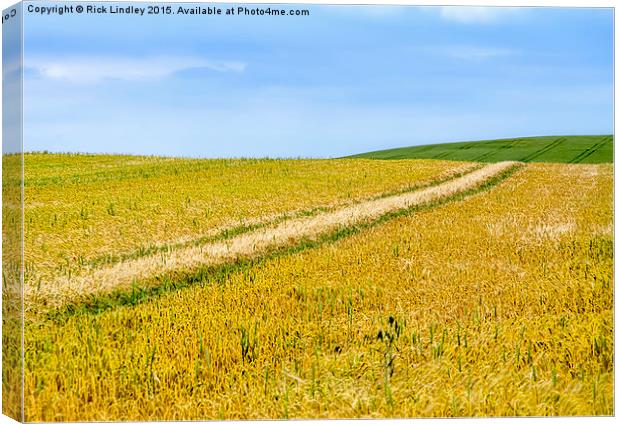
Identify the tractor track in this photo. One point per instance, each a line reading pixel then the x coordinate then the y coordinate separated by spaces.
pixel 90 283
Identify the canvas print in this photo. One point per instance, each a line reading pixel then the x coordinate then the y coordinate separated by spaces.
pixel 219 211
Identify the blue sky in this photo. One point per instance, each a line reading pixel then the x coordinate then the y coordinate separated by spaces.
pixel 11 87
pixel 344 80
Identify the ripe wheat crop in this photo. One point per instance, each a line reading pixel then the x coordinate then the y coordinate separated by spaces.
pixel 91 282
pixel 90 210
pixel 498 302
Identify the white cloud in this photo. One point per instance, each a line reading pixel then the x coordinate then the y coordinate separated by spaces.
pixel 11 66
pixel 475 14
pixel 475 52
pixel 371 11
pixel 95 69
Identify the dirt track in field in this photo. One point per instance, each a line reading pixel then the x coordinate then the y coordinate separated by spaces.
pixel 93 282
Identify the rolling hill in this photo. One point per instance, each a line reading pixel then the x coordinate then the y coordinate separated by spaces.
pixel 562 149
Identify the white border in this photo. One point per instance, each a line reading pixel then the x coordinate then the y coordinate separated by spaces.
pixel 557 3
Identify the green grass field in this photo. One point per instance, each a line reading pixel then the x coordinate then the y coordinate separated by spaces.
pixel 561 149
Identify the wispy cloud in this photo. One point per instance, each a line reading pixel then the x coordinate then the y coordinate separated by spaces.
pixel 475 14
pixel 372 11
pixel 12 67
pixel 95 69
pixel 474 52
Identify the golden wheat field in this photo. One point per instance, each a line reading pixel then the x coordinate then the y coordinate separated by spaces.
pixel 89 210
pixel 316 289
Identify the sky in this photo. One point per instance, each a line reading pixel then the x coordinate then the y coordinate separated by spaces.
pixel 344 80
pixel 11 87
